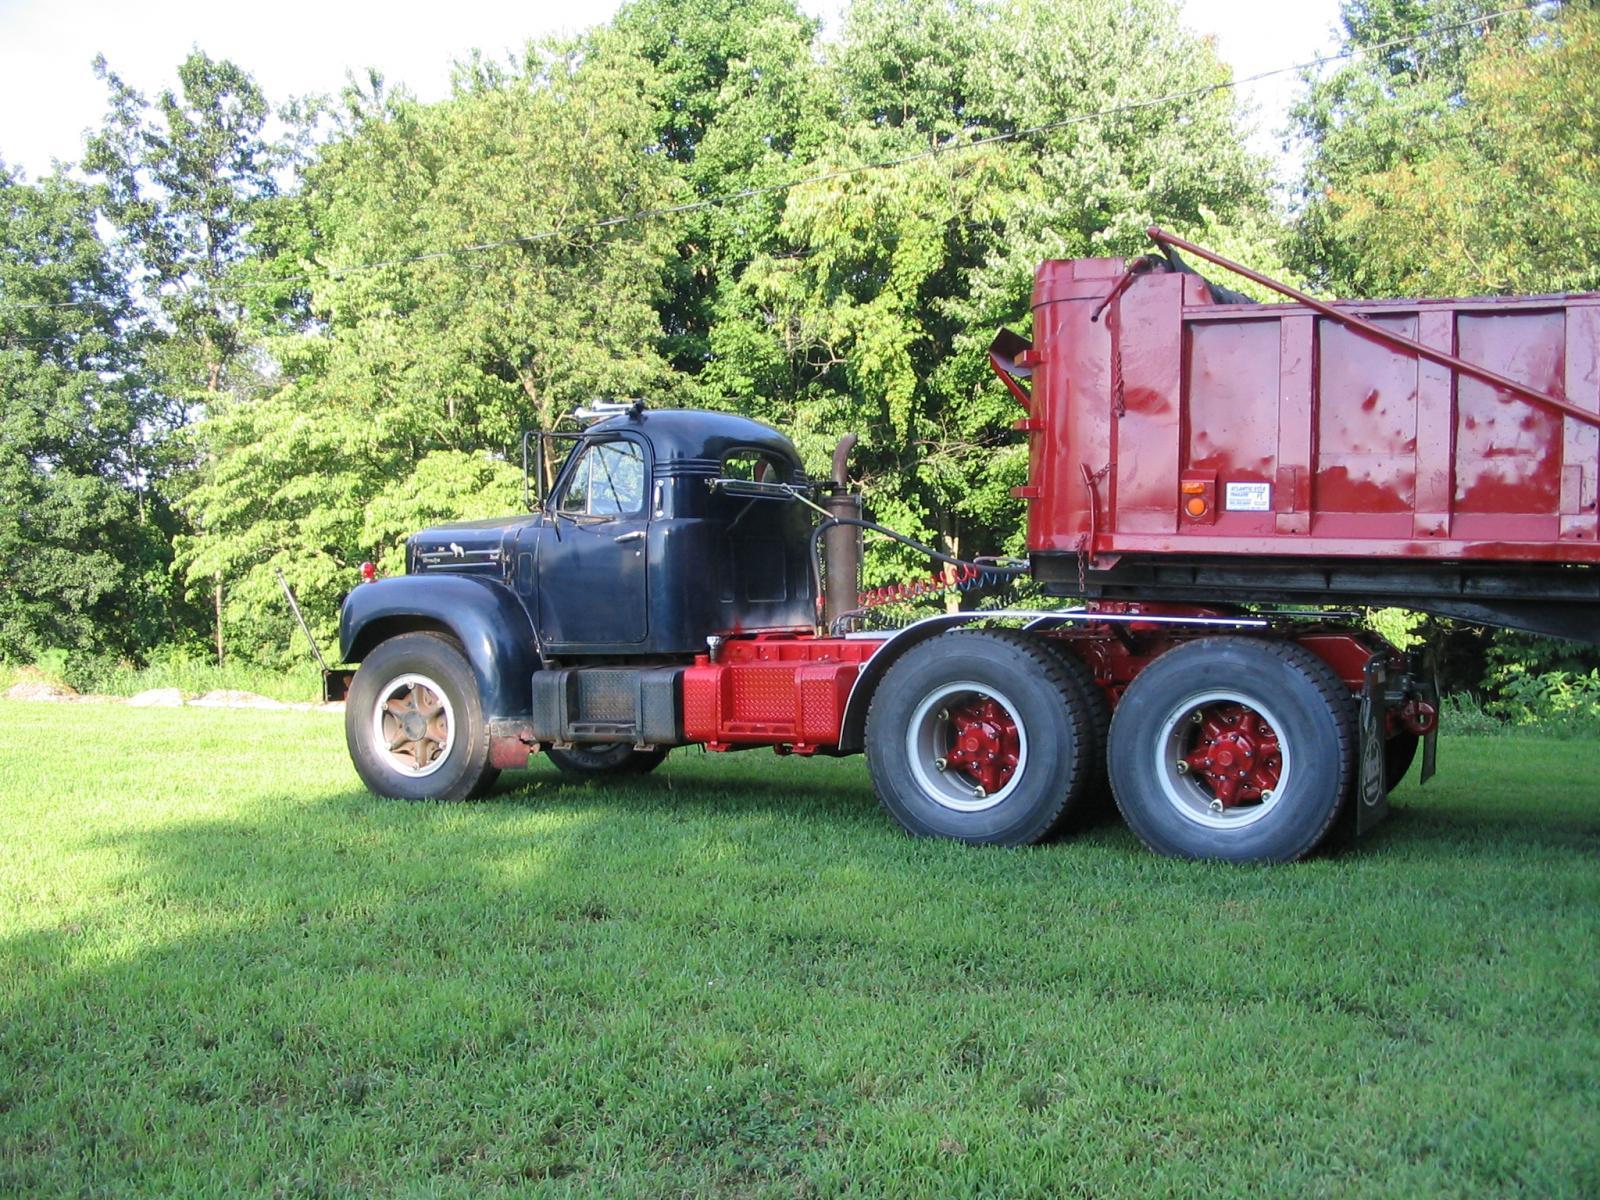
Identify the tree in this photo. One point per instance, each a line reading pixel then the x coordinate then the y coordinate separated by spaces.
pixel 82 538
pixel 738 102
pixel 182 187
pixel 1403 113
pixel 891 280
pixel 691 205
pixel 184 181
pixel 1501 194
pixel 463 289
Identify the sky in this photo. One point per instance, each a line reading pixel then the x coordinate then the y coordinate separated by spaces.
pixel 49 95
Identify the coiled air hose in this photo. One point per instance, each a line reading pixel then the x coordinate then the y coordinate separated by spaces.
pixel 860 523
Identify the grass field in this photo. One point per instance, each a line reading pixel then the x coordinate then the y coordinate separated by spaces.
pixel 228 970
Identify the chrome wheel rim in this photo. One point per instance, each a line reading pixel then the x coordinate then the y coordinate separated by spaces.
pixel 1191 791
pixel 936 740
pixel 413 725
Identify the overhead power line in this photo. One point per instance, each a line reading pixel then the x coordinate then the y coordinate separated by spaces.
pixel 945 148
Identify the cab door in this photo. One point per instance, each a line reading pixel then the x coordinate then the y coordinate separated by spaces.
pixel 593 565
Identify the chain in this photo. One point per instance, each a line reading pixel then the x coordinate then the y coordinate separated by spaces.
pixel 1114 328
pixel 1091 481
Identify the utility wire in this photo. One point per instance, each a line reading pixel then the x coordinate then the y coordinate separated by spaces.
pixel 952 147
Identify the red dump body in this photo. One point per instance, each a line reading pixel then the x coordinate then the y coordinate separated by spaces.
pixel 1174 425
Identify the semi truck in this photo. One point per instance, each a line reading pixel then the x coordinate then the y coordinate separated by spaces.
pixel 1209 479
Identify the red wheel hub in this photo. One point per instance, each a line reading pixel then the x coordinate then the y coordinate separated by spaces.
pixel 1235 751
pixel 984 742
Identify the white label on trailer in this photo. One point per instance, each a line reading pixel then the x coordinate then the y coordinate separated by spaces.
pixel 1248 497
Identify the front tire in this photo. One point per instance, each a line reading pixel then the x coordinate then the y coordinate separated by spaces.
pixel 414 722
pixel 982 736
pixel 1233 748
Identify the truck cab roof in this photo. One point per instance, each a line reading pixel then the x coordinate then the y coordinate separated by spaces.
pixel 688 437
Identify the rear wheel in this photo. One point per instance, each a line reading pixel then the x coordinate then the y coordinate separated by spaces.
pixel 979 735
pixel 605 758
pixel 1096 803
pixel 414 723
pixel 1235 749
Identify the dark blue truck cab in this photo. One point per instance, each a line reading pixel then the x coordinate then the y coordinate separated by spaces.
pixel 662 529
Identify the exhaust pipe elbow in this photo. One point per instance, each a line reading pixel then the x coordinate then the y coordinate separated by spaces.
pixel 841 457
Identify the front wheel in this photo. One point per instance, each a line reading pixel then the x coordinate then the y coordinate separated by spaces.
pixel 1232 748
pixel 414 723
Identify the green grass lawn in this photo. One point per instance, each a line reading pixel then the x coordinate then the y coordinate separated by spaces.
pixel 227 969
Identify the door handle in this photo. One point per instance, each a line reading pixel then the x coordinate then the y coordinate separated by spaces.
pixel 636 536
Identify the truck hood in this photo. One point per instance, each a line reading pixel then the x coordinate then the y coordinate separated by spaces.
pixel 474 547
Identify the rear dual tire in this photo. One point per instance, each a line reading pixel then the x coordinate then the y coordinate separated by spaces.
pixel 984 736
pixel 1223 748
pixel 1235 749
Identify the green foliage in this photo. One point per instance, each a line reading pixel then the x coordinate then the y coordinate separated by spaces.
pixel 184 179
pixel 444 485
pixel 867 304
pixel 1547 698
pixel 1541 681
pixel 400 401
pixel 1400 626
pixel 83 542
pixel 859 302
pixel 170 667
pixel 1465 165
pixel 1463 715
pixel 298 682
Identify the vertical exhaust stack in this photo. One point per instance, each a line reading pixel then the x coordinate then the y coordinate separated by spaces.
pixel 841 544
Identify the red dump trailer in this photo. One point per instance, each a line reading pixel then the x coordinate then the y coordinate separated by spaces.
pixel 1436 454
pixel 1196 462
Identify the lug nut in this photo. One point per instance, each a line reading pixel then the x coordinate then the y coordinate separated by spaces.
pixel 1182 767
pixel 940 764
pixel 980 793
pixel 1216 806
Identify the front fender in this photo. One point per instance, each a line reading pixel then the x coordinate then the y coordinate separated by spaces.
pixel 482 614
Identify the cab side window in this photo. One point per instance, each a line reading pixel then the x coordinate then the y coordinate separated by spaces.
pixel 755 466
pixel 608 481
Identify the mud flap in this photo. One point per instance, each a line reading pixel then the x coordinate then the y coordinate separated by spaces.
pixel 1372 796
pixel 1429 690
